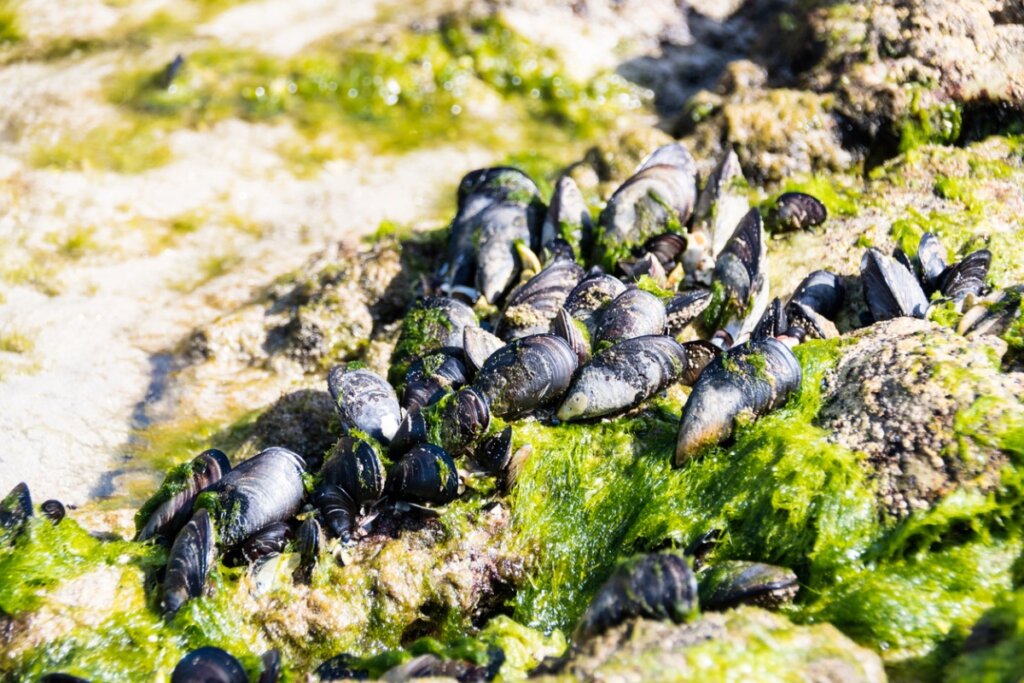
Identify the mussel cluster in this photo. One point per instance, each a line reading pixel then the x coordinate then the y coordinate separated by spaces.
pixel 515 325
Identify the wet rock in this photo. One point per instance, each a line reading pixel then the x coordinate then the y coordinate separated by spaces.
pixel 715 647
pixel 926 405
pixel 304 421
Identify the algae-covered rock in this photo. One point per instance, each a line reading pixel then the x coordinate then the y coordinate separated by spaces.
pixel 923 403
pixel 994 651
pixel 747 644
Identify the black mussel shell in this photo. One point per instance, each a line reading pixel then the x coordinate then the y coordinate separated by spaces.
pixel 699 354
pixel 647 265
pixel 574 334
pixel 657 586
pixel 756 377
pixel 495 452
pixel 587 299
pixel 365 401
pixel 634 313
pixel 432 324
pixel 932 257
pixel 188 563
pixel 53 510
pixel 738 269
pixel 967 276
pixel 454 423
pixel 309 539
pixel 993 316
pixel 890 290
pixel 504 229
pixel 683 308
pixel 525 374
pixel 567 219
pixel 209 665
pixel 337 510
pixel 62 678
pixel 15 509
pixel 530 308
pixel 267 487
pixel 732 583
pixel 558 250
pixel 355 466
pixel 796 211
pixel 168 510
pixel 430 377
pixel 821 291
pixel 341 667
pixel 773 323
pixel 622 377
pixel 478 345
pixel 426 474
pixel 271 663
pixel 432 666
pixel 667 248
pixel 270 540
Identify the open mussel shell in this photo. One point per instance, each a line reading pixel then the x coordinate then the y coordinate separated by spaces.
pixel 478 345
pixel 658 198
pixel 432 324
pixel 683 308
pixel 270 540
pixel 426 474
pixel 265 488
pixel 337 510
pixel 188 563
pixel 796 211
pixel 658 586
pixel 966 276
pixel 588 298
pixel 530 308
pixel 168 510
pixel 483 196
pixel 356 467
pixel 15 509
pixel 574 334
pixel 890 290
pixel 634 313
pixel 752 378
pixel 720 206
pixel 209 665
pixel 53 510
pixel 567 217
pixel 731 583
pixel 365 401
pixel 932 257
pixel 622 377
pixel 527 373
pixel 430 377
pixel 454 423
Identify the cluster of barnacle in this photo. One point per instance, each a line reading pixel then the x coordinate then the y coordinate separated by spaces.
pixel 562 343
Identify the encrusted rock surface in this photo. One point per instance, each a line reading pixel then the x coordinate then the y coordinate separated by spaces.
pixel 900 394
pixel 715 647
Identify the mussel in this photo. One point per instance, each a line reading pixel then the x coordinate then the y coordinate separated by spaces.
pixel 814 306
pixel 931 255
pixel 15 509
pixel 753 378
pixel 531 307
pixel 587 299
pixel 656 586
pixel 188 563
pixel 430 377
pixel 622 377
pixel 634 313
pixel 890 289
pixel 574 334
pixel 567 217
pixel 265 488
pixel 966 276
pixel 478 345
pixel 365 401
pixel 168 510
pixel 658 198
pixel 731 583
pixel 270 540
pixel 271 663
pixel 337 510
pixel 432 324
pixel 496 456
pixel 309 539
pixel 683 308
pixel 454 423
pixel 527 373
pixel 720 206
pixel 355 466
pixel 796 211
pixel 740 279
pixel 994 314
pixel 426 474
pixel 209 665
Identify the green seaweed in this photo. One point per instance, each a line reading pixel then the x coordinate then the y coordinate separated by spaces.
pixel 999 654
pixel 939 124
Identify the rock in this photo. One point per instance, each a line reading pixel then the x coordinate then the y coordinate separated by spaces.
pixel 304 421
pixel 926 405
pixel 716 647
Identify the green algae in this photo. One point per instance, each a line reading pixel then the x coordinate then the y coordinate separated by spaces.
pixel 938 124
pixel 424 329
pixel 129 146
pixel 998 655
pixel 414 89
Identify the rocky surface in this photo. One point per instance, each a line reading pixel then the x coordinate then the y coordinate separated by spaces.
pixel 713 647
